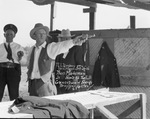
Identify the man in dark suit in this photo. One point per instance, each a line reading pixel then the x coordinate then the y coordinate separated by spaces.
pixel 10 58
pixel 69 67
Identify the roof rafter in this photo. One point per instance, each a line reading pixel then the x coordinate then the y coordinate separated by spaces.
pixel 78 2
pixel 138 3
pixel 132 4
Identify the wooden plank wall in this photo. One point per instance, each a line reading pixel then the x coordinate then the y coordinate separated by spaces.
pixel 131 48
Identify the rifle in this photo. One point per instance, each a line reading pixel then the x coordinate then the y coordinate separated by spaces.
pixel 84 36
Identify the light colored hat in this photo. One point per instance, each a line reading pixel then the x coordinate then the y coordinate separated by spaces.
pixel 37 27
pixel 65 34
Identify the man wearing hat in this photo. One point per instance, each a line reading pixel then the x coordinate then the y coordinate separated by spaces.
pixel 10 69
pixel 71 59
pixel 41 58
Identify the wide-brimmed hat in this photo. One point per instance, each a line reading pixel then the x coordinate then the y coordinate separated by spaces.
pixel 65 34
pixel 10 27
pixel 37 27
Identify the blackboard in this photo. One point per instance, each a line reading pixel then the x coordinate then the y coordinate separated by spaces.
pixel 71 78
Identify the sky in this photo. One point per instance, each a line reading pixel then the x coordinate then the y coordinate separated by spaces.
pixel 25 14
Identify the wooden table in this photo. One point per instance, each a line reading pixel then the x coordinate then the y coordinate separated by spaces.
pixel 92 99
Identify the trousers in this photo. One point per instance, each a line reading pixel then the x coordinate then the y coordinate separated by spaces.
pixel 37 87
pixel 10 77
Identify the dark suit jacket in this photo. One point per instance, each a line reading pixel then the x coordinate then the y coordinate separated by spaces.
pixel 105 71
pixel 74 57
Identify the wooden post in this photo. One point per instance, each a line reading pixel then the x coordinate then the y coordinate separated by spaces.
pixel 143 100
pixel 92 20
pixel 91 12
pixel 52 16
pixel 132 22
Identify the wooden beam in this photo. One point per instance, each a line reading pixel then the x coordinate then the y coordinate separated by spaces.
pixel 79 2
pixel 138 4
pixel 42 2
pixel 139 104
pixel 105 112
pixel 91 9
pixel 130 110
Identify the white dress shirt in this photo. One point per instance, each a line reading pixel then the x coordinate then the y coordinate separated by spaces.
pixel 14 47
pixel 53 49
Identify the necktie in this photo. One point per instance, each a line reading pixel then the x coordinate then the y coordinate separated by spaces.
pixel 9 54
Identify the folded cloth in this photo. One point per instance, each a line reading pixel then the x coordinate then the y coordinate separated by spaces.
pixel 47 108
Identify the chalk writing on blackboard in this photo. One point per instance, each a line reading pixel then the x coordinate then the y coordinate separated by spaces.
pixel 72 77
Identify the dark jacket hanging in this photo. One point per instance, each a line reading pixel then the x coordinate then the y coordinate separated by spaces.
pixel 105 71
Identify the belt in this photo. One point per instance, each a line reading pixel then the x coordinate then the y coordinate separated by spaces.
pixel 8 65
pixel 35 79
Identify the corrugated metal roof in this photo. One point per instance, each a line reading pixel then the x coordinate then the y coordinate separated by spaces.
pixel 131 4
